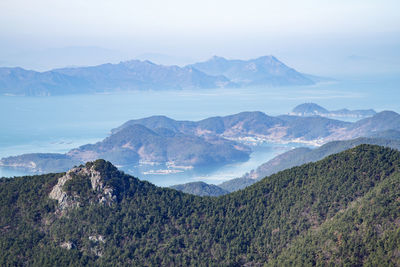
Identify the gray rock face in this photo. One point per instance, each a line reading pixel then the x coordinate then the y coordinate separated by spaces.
pixel 68 245
pixel 58 193
pixel 97 238
pixel 104 194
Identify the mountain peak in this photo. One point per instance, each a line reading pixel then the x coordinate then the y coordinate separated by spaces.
pixel 93 182
pixel 217 58
pixel 268 58
pixel 265 70
pixel 217 72
pixel 384 120
pixel 136 62
pixel 200 189
pixel 386 114
pixel 309 109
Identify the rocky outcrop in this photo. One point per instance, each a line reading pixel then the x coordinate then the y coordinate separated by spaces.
pixel 68 245
pixel 97 238
pixel 64 200
pixel 103 193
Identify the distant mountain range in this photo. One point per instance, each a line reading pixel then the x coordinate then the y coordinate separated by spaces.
pixel 340 211
pixel 136 144
pixel 201 189
pixel 128 75
pixel 312 109
pixel 267 70
pixel 215 141
pixel 145 75
pixel 250 126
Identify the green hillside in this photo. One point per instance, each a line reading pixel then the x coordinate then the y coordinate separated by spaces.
pixel 342 210
pixel 366 233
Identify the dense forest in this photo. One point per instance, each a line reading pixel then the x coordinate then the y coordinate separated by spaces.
pixel 343 210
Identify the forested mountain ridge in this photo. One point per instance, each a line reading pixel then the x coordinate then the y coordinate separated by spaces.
pixel 302 155
pixel 364 234
pixel 299 156
pixel 265 223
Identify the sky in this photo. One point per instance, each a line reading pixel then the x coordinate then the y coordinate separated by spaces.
pixel 318 36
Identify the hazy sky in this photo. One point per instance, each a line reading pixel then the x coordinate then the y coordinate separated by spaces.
pixel 190 30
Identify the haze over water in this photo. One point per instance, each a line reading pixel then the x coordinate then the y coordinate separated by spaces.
pixel 58 123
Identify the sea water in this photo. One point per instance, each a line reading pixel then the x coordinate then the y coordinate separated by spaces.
pixel 260 154
pixel 57 124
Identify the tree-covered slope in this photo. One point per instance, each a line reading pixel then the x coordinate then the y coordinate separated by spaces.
pixel 365 233
pixel 302 155
pixel 97 215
